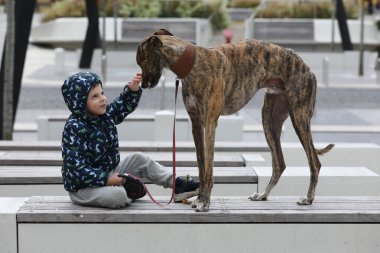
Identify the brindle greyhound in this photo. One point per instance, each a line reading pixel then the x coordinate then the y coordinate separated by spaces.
pixel 220 81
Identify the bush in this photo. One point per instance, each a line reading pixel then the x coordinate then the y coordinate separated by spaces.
pixel 378 24
pixel 146 9
pixel 63 8
pixel 243 3
pixel 305 10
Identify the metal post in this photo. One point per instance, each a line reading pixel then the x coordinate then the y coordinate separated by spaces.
pixel 378 71
pixel 115 8
pixel 333 26
pixel 325 69
pixel 8 73
pixel 104 54
pixel 361 45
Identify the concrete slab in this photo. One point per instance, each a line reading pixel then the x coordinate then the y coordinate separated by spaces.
pixel 8 225
pixel 333 181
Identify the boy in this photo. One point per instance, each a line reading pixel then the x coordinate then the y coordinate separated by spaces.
pixel 90 147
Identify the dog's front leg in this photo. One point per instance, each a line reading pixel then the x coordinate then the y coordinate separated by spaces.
pixel 202 203
pixel 198 136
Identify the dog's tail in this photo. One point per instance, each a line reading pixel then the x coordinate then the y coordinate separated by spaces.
pixel 325 150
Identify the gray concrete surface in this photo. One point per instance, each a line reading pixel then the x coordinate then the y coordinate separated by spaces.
pixel 349 101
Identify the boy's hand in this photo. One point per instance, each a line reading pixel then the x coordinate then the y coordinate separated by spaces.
pixel 134 85
pixel 115 180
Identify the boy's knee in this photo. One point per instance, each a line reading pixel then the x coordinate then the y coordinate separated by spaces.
pixel 117 198
pixel 139 156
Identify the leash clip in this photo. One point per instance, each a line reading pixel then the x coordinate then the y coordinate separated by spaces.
pixel 177 80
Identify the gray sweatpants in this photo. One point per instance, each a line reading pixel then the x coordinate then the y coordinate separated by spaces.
pixel 137 164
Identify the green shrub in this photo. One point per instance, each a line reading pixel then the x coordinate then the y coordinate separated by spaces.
pixel 305 10
pixel 243 3
pixel 139 8
pixel 378 24
pixel 147 9
pixel 64 8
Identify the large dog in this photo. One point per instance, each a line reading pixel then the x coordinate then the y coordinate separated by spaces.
pixel 220 81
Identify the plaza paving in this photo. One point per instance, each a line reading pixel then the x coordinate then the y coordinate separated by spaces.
pixel 351 105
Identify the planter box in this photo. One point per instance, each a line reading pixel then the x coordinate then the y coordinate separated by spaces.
pixel 308 34
pixel 70 33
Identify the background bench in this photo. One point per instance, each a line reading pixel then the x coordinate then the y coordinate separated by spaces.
pixel 308 34
pixel 18 181
pixel 233 224
pixel 54 158
pixel 68 32
pixel 148 128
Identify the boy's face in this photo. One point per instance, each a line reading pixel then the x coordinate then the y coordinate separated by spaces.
pixel 96 101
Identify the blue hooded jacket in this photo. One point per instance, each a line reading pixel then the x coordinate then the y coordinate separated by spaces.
pixel 90 146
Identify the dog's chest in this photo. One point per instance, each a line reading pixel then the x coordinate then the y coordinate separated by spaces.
pixel 191 102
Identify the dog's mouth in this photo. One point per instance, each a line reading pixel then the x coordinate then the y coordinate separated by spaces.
pixel 149 82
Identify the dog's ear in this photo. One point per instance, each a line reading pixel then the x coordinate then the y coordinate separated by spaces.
pixel 162 31
pixel 154 42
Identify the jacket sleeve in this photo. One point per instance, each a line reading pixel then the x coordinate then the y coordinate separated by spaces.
pixel 77 169
pixel 124 104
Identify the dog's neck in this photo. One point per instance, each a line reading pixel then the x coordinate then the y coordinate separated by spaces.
pixel 183 66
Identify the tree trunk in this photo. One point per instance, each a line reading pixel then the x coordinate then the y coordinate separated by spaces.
pixel 7 125
pixel 92 39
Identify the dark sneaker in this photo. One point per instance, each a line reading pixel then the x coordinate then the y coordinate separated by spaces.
pixel 185 188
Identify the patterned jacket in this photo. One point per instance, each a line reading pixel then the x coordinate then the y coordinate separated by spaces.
pixel 90 147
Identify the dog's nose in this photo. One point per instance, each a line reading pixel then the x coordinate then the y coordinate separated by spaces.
pixel 145 85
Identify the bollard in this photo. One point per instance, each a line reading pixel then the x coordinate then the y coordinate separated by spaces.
pixel 59 59
pixel 162 99
pixel 378 71
pixel 104 68
pixel 228 34
pixel 325 69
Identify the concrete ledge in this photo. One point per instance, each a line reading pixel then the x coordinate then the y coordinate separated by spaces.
pixel 143 146
pixel 308 33
pixel 54 158
pixel 70 32
pixel 333 181
pixel 47 180
pixel 331 224
pixel 8 226
pixel 157 127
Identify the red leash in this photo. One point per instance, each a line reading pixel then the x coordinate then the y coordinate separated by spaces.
pixel 174 150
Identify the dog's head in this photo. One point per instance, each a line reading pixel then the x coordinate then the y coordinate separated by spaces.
pixel 150 59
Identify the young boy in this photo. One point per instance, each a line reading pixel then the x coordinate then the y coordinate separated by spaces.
pixel 90 147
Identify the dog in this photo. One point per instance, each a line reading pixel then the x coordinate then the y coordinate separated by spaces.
pixel 220 81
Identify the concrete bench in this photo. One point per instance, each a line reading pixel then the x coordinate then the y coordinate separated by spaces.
pixel 155 127
pixel 69 32
pixel 354 154
pixel 233 224
pixel 333 181
pixel 54 158
pixel 308 34
pixel 143 146
pixel 18 181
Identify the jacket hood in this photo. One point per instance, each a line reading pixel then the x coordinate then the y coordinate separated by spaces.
pixel 75 90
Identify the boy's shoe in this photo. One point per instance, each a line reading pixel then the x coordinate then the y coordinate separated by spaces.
pixel 185 188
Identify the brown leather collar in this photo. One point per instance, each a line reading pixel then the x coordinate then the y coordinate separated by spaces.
pixel 183 66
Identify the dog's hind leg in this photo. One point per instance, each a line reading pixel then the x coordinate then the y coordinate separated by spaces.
pixel 274 113
pixel 301 111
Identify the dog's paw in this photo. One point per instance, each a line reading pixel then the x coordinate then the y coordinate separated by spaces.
pixel 257 197
pixel 194 203
pixel 200 206
pixel 304 201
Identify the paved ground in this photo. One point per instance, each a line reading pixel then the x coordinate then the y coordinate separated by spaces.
pixel 356 104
